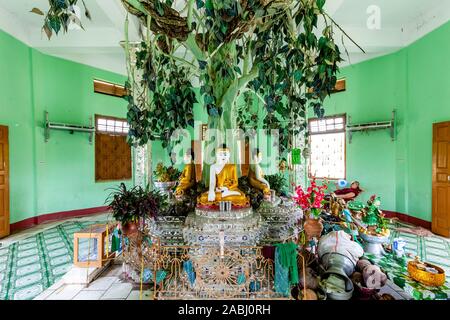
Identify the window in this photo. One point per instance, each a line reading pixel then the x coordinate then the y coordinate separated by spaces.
pixel 109 88
pixel 112 152
pixel 112 125
pixel 327 139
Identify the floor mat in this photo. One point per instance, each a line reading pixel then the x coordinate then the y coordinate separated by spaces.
pixel 431 249
pixel 30 266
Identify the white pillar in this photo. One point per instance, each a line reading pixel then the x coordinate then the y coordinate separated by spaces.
pixel 142 160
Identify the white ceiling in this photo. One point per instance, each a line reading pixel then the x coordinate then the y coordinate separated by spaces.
pixel 402 22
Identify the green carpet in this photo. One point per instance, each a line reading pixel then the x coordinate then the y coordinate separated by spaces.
pixel 435 250
pixel 30 266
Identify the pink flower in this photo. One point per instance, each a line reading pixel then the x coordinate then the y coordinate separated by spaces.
pixel 312 198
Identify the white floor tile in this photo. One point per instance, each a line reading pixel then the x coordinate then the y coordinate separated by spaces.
pixel 102 283
pixel 66 292
pixel 118 291
pixel 44 295
pixel 89 295
pixel 135 295
pixel 113 271
pixel 56 285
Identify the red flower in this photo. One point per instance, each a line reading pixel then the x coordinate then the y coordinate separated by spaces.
pixel 312 198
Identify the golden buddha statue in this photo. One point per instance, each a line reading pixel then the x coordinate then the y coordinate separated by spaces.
pixel 256 174
pixel 223 183
pixel 188 178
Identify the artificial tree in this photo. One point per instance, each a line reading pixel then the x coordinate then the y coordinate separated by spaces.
pixel 280 54
pixel 268 48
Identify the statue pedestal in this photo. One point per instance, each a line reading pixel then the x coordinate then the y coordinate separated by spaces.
pixel 239 227
pixel 169 230
pixel 279 218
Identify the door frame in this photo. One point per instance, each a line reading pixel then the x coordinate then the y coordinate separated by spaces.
pixel 7 190
pixel 434 227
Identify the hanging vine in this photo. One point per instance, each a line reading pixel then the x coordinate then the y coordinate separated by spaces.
pixel 282 52
pixel 60 15
pixel 268 49
pixel 170 102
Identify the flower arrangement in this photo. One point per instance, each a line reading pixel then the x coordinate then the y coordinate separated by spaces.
pixel 312 200
pixel 166 174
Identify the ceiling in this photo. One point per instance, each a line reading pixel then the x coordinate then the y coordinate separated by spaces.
pixel 401 23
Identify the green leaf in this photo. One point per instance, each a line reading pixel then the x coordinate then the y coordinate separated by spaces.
pixel 320 4
pixel 200 4
pixel 159 7
pixel 209 5
pixel 202 64
pixel 298 75
pixel 55 24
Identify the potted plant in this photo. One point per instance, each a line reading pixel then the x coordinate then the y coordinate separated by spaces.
pixel 123 204
pixel 311 201
pixel 376 231
pixel 165 178
pixel 278 182
pixel 130 207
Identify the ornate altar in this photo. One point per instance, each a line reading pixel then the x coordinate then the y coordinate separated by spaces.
pixel 201 272
pixel 279 219
pixel 237 227
pixel 215 251
pixel 169 229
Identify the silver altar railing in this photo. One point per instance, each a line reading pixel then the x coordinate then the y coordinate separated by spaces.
pixel 196 272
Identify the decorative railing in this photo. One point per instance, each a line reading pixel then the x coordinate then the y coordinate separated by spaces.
pixel 195 272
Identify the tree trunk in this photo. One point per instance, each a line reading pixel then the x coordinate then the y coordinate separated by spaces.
pixel 226 92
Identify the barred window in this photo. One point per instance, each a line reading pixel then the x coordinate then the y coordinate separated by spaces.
pixel 327 140
pixel 112 125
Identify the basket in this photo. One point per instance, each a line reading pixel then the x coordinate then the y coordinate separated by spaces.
pixel 425 277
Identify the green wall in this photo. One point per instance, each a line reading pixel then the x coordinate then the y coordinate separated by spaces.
pixel 57 175
pixel 16 112
pixel 415 82
pixel 374 89
pixel 428 87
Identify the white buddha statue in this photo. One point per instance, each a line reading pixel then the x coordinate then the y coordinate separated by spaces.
pixel 256 175
pixel 223 183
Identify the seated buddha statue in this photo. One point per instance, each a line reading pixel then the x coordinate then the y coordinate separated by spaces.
pixel 187 179
pixel 223 183
pixel 256 175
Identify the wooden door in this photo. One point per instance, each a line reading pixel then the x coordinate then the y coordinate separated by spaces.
pixel 441 179
pixel 4 182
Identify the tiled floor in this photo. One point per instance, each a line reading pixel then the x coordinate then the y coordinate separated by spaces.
pixel 38 261
pixel 432 249
pixel 33 260
pixel 109 286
